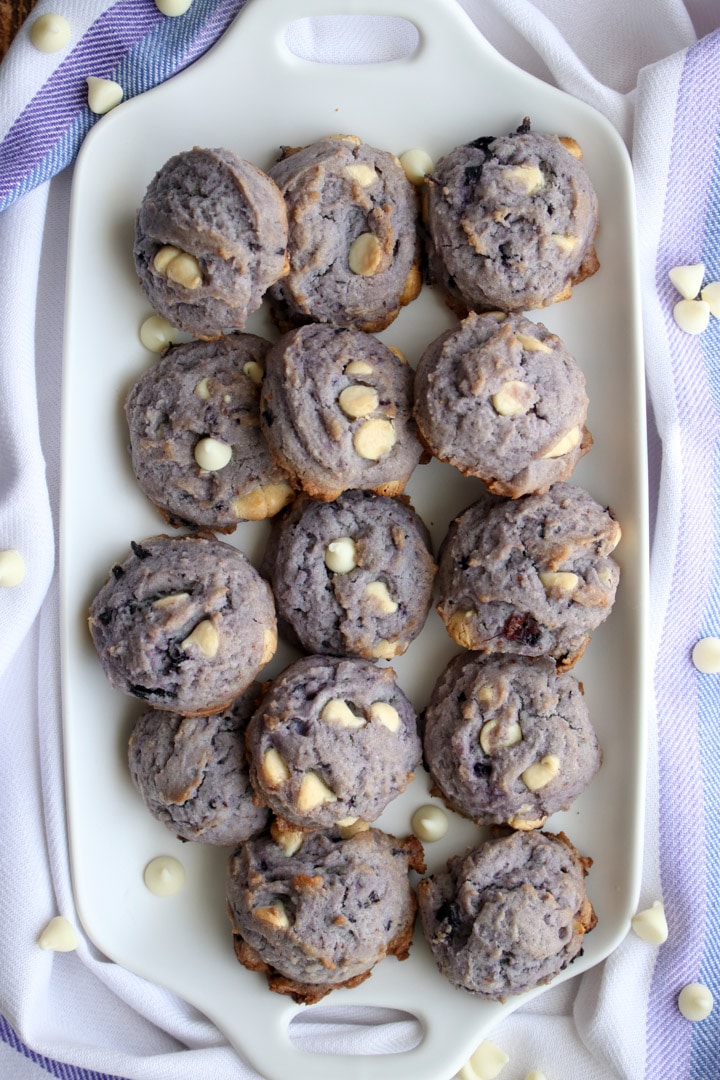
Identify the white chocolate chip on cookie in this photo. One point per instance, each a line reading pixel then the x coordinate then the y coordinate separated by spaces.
pixel 184 270
pixel 385 714
pixel 362 174
pixel 341 555
pixel 514 398
pixel 416 165
pixel 562 580
pixel 358 400
pixel 205 637
pixel 568 442
pixel 273 915
pixel 376 592
pixel 374 439
pixel 541 773
pixel 532 344
pixel 564 243
pixel 313 792
pixel 337 711
pixel 253 371
pixel 385 650
pixel 212 454
pixel 358 367
pixel 491 741
pixel 164 257
pixel 365 255
pixel 527 177
pixel 274 768
pixel 289 839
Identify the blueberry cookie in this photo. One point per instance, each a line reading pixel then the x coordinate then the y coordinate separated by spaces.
pixel 210 239
pixel 508 915
pixel 336 411
pixel 511 221
pixel 353 577
pixel 501 398
pixel 531 576
pixel 192 775
pixel 185 624
pixel 353 243
pixel 508 740
pixel 197 449
pixel 333 740
pixel 316 913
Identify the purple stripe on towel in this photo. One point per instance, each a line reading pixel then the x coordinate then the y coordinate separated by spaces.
pixel 63 96
pixel 694 439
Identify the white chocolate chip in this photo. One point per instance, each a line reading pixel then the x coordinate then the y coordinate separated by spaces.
pixel 202 389
pixel 262 502
pixel 253 371
pixel 164 875
pixel 358 367
pixel 416 165
pixel 568 442
pixel 374 438
pixel 490 742
pixel 385 714
pixel 337 711
pixel 605 576
pixel 12 568
pixel 571 146
pixel 164 257
pixel 384 650
pixel 103 94
pixel 562 580
pixel 341 555
pixel 564 243
pixel 274 769
pixel 514 398
pixel 399 353
pixel 157 333
pixel 290 840
pixel 212 454
pixel 541 773
pixel 205 637
pixel 692 316
pixel 711 296
pixel 346 822
pixel 429 823
pixel 364 175
pixel 50 33
pixel 58 936
pixel 535 1074
pixel 269 645
pixel 485 1064
pixel 377 593
pixel 706 655
pixel 651 924
pixel 532 344
pixel 313 792
pixel 358 400
pixel 365 255
pixel 687 279
pixel 273 915
pixel 171 600
pixel 184 269
pixel 352 139
pixel 527 177
pixel 346 831
pixel 695 1001
pixel 173 8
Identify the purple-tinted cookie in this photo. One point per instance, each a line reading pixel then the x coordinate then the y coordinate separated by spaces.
pixel 508 915
pixel 508 740
pixel 192 775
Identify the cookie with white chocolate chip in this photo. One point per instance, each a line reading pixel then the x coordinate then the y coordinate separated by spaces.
pixel 210 239
pixel 184 623
pixel 508 740
pixel 336 411
pixel 353 243
pixel 501 398
pixel 319 914
pixel 508 915
pixel 192 774
pixel 197 448
pixel 333 740
pixel 353 577
pixel 531 576
pixel 512 221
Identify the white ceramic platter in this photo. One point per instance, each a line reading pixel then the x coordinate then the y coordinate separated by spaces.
pixel 252 95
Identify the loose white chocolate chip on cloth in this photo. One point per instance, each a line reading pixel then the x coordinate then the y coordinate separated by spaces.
pixel 651 924
pixel 96 1016
pixel 706 655
pixel 695 1001
pixel 486 1063
pixel 12 568
pixel 103 94
pixel 58 936
pixel 50 33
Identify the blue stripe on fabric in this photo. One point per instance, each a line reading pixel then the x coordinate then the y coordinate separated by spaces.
pixel 168 48
pixel 55 1068
pixel 705 1045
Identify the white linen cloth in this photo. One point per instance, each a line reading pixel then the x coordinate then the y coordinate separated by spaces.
pixel 627 60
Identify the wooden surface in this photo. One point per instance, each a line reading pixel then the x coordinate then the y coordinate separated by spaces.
pixel 12 15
